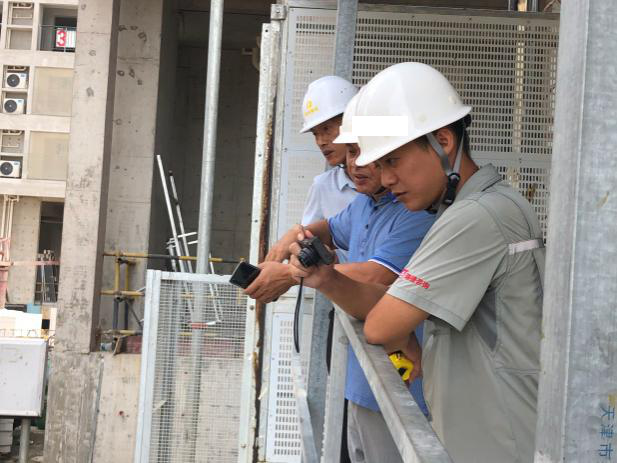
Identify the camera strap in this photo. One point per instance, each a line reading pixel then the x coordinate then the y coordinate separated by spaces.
pixel 297 317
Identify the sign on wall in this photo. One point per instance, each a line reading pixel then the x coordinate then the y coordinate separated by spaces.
pixel 65 38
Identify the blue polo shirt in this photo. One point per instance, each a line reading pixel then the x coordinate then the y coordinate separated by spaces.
pixel 385 232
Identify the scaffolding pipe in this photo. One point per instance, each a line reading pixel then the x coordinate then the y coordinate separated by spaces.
pixel 209 135
pixel 185 244
pixel 205 201
pixel 172 221
pixel 346 17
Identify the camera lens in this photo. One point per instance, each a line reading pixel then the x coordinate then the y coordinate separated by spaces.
pixel 308 257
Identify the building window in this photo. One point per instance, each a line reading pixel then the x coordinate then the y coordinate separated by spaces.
pixel 19 25
pixel 47 159
pixel 50 240
pixel 52 91
pixel 58 29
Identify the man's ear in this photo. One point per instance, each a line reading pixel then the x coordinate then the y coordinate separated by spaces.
pixel 447 139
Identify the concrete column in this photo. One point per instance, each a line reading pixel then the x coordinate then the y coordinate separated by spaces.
pixel 76 374
pixel 133 141
pixel 24 247
pixel 87 182
pixel 578 394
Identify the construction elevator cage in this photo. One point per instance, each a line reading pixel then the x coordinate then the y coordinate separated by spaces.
pixel 502 63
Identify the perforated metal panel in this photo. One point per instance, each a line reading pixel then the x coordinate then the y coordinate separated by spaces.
pixel 309 56
pixel 504 66
pixel 283 434
pixel 190 400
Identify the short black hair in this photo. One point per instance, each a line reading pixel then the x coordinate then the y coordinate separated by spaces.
pixel 459 128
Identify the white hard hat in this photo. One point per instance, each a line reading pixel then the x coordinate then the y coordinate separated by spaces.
pixel 415 95
pixel 345 133
pixel 325 98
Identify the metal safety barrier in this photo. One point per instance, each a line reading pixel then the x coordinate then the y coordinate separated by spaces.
pixel 192 404
pixel 411 431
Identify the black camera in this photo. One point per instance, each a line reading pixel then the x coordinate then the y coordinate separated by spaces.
pixel 244 274
pixel 314 252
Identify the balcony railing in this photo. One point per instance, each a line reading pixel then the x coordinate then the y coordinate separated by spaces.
pixel 57 38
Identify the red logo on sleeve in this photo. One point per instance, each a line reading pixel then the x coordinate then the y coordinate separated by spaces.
pixel 414 279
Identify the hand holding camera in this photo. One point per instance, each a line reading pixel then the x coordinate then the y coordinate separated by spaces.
pixel 311 260
pixel 280 251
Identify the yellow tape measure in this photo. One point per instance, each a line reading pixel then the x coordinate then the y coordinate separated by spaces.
pixel 403 365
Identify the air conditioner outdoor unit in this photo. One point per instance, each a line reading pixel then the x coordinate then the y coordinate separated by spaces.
pixel 16 80
pixel 10 169
pixel 14 105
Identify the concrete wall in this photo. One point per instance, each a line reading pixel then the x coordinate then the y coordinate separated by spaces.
pixel 166 140
pixel 24 246
pixel 233 186
pixel 75 377
pixel 133 141
pixel 118 396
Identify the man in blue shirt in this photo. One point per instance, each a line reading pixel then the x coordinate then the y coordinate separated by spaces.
pixel 373 229
pixel 380 235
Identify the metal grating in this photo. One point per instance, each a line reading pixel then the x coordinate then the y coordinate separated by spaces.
pixel 532 180
pixel 304 166
pixel 192 373
pixel 312 57
pixel 505 67
pixel 282 418
pixel 311 54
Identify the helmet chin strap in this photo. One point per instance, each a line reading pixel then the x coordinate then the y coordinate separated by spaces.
pixel 453 176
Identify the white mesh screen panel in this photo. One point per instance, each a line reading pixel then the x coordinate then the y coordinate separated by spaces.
pixel 195 403
pixel 505 67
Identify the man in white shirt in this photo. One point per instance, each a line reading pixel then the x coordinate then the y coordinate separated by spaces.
pixel 322 109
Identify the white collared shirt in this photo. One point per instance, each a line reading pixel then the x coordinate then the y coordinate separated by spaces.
pixel 329 194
